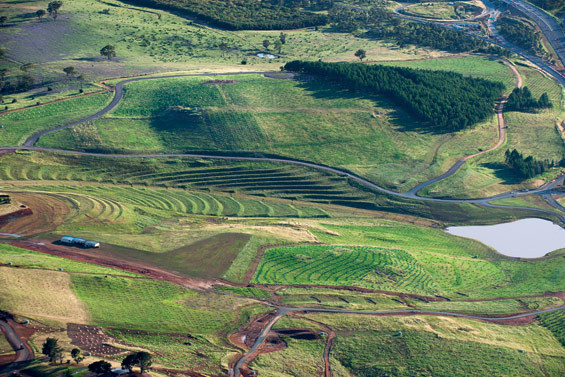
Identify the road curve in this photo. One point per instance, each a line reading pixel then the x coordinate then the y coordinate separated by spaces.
pixel 119 93
pixel 23 352
pixel 282 311
pixel 501 138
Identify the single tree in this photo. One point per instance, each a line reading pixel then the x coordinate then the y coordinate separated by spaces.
pixel 100 367
pixel 129 361
pixel 76 355
pixel 223 46
pixel 2 53
pixel 266 43
pixel 3 72
pixel 40 13
pixel 53 8
pixel 52 350
pixel 26 67
pixel 70 71
pixel 81 79
pixel 278 45
pixel 143 360
pixel 3 20
pixel 282 37
pixel 108 51
pixel 361 54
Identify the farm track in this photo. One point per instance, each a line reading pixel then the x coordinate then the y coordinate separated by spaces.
pixel 411 194
pixel 282 311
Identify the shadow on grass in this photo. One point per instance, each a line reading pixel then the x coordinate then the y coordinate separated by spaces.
pixel 401 118
pixel 502 172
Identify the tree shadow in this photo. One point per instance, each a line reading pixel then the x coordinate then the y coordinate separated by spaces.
pixel 502 172
pixel 401 118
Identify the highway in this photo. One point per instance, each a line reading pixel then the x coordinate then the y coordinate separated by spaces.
pixel 549 26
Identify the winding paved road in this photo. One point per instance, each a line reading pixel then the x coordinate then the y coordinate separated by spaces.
pixel 23 352
pixel 249 355
pixel 412 194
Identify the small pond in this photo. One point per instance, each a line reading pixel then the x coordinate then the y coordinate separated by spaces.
pixel 268 56
pixel 527 238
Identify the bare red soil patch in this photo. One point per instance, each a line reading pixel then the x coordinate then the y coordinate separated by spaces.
pixel 47 212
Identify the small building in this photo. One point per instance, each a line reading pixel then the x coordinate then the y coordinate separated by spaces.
pixel 68 240
pixel 91 244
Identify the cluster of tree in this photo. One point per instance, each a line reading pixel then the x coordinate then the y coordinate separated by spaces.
pixel 54 352
pixel 527 167
pixel 23 81
pixel 430 35
pixel 141 359
pixel 548 4
pixel 52 8
pixel 247 14
pixel 521 100
pixel 447 100
pixel 381 24
pixel 521 34
pixel 278 44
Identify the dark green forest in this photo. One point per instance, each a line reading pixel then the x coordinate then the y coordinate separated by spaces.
pixel 247 14
pixel 447 101
pixel 521 34
pixel 521 100
pixel 526 167
pixel 548 4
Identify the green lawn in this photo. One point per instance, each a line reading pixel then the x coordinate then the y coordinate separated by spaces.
pixel 310 120
pixel 40 261
pixel 429 268
pixel 159 307
pixel 530 133
pixel 19 125
pixel 428 346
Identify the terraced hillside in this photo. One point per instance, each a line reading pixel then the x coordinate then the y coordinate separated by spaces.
pixel 341 265
pixel 414 271
pixel 256 179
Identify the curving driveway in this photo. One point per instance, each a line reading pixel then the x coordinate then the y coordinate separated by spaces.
pixel 412 194
pixel 23 352
pixel 252 353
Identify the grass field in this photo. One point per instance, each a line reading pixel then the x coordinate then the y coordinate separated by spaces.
pixel 530 133
pixel 178 351
pixel 23 258
pixel 425 272
pixel 342 299
pixel 209 257
pixel 443 11
pixel 159 307
pixel 555 322
pixel 439 346
pixel 5 347
pixel 40 294
pixel 307 355
pixel 20 125
pixel 292 183
pixel 340 265
pixel 295 119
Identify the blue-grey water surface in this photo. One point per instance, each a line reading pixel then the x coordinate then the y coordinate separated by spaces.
pixel 527 238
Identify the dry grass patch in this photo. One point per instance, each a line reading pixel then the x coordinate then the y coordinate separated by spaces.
pixel 45 294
